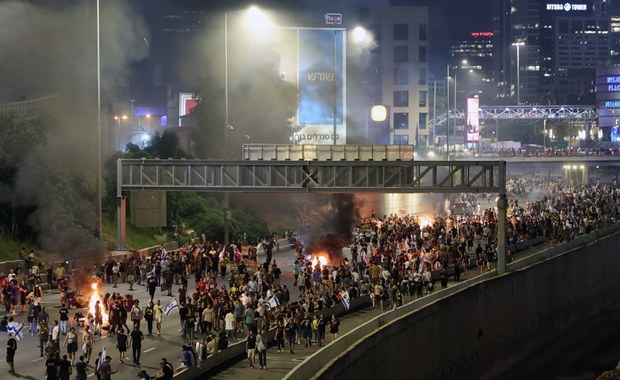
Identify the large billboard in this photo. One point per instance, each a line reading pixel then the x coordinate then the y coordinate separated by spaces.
pixel 314 60
pixel 473 120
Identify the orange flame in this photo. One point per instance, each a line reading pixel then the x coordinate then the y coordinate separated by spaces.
pixel 94 297
pixel 425 221
pixel 320 258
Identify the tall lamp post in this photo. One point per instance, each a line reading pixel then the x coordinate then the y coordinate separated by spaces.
pixel 518 45
pixel 226 194
pixel 448 112
pixel 335 88
pixel 99 153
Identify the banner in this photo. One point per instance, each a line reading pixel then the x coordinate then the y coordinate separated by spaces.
pixel 473 120
pixel 321 73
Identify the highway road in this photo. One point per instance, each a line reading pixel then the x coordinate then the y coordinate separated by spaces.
pixel 29 365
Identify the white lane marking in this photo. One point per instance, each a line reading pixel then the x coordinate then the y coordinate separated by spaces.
pixel 149 350
pixel 37 359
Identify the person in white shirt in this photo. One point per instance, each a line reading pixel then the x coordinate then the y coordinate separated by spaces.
pixel 56 332
pixel 229 325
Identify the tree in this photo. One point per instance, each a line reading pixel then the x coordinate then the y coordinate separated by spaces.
pixel 18 137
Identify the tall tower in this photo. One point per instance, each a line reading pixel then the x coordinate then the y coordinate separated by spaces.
pixel 558 45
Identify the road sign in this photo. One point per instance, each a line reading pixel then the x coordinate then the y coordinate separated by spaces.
pixel 333 18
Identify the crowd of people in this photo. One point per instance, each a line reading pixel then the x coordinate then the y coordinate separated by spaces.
pixel 226 293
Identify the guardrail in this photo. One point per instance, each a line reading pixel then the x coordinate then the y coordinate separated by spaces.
pixel 312 152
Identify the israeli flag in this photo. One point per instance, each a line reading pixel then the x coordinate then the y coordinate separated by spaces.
pixel 15 329
pixel 102 356
pixel 273 302
pixel 173 304
pixel 344 298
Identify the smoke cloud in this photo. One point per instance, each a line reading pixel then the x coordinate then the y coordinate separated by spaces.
pixel 48 48
pixel 328 223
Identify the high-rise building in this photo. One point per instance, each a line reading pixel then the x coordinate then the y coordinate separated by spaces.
pixel 472 61
pixel 403 43
pixel 546 52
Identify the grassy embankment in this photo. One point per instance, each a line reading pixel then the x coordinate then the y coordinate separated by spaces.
pixel 137 238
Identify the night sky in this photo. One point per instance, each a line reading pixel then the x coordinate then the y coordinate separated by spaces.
pixel 450 20
pixel 462 17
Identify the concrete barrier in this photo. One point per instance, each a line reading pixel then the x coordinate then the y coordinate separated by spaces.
pixel 480 327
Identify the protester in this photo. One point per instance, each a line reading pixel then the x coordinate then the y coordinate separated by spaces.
pixel 71 342
pixel 106 371
pixel 135 340
pixel 186 360
pixel 51 367
pixel 64 368
pixel 11 349
pixel 261 349
pixel 81 368
pixel 166 371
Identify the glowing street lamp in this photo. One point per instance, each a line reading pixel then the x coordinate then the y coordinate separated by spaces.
pixel 118 130
pixel 379 113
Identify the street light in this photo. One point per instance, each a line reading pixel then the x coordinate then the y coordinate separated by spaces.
pixel 118 130
pixel 518 45
pixel 99 153
pixel 448 112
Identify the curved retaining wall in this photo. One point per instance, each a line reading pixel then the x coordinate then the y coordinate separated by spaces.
pixel 479 328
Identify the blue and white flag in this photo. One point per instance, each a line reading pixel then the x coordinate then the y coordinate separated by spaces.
pixel 15 329
pixel 344 298
pixel 273 302
pixel 173 304
pixel 102 356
